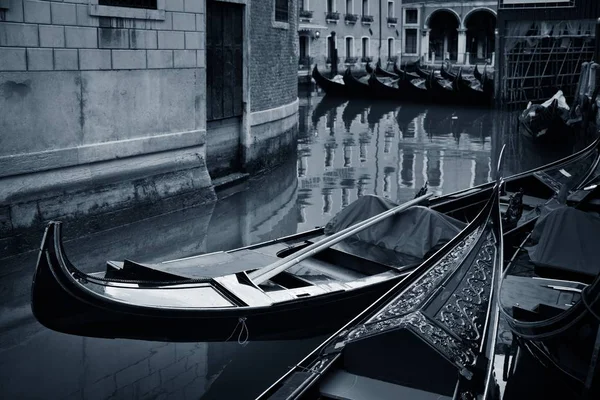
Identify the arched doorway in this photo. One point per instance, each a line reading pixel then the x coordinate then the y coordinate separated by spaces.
pixel 480 25
pixel 443 35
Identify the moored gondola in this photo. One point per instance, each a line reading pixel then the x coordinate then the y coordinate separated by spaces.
pixel 468 95
pixel 332 88
pixel 403 74
pixel 477 74
pixel 355 87
pixel 381 72
pixel 402 90
pixel 442 315
pixel 550 291
pixel 440 93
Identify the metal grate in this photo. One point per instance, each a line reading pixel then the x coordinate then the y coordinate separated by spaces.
pixel 147 4
pixel 281 10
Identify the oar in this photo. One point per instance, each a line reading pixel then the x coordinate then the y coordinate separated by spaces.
pixel 266 273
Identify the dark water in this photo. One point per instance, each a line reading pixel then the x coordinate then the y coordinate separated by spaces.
pixel 345 150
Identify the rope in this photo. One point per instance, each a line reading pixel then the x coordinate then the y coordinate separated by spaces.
pixel 241 320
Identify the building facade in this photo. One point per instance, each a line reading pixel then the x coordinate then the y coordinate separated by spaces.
pixel 394 30
pixel 107 104
pixel 359 30
pixel 460 31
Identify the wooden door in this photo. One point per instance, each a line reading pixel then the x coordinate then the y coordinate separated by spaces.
pixel 224 56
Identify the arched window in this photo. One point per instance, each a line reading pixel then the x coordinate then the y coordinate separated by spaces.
pixel 365 7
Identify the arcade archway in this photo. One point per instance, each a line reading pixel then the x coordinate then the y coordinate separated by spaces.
pixel 480 25
pixel 443 35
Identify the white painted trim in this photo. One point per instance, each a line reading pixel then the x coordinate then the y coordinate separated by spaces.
pixel 393 8
pixel 368 7
pixel 334 6
pixel 404 42
pixel 274 114
pixel 404 12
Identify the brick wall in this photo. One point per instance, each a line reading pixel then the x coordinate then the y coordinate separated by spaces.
pixel 66 35
pixel 274 57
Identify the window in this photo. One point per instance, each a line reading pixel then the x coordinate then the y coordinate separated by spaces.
pixel 390 47
pixel 349 47
pixel 303 4
pixel 390 8
pixel 410 43
pixel 412 16
pixel 281 10
pixel 330 6
pixel 349 7
pixel 148 4
pixel 365 7
pixel 365 48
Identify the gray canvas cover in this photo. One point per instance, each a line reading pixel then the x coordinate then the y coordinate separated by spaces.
pixel 566 239
pixel 414 231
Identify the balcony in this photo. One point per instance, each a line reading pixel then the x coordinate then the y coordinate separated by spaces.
pixel 366 19
pixel 366 59
pixel 350 60
pixel 306 15
pixel 332 17
pixel 392 21
pixel 351 19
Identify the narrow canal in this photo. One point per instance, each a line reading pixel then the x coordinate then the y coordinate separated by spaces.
pixel 345 149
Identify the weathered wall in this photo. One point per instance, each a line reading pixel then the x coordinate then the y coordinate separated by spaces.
pixel 101 108
pixel 274 56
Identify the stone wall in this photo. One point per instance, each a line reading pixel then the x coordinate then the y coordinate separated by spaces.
pixel 101 108
pixel 274 60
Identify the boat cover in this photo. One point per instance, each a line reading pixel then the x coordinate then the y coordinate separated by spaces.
pixel 414 231
pixel 566 239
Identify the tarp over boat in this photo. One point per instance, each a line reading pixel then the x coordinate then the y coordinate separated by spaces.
pixel 562 233
pixel 414 231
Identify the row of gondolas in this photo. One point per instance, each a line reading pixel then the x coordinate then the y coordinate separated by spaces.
pixel 418 290
pixel 413 83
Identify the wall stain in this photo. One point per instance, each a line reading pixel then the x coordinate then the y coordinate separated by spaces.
pixel 9 89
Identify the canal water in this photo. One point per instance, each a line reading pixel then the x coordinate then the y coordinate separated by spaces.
pixel 345 149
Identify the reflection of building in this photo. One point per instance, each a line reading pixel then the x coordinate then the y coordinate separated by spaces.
pixel 541 48
pixel 360 30
pixel 459 31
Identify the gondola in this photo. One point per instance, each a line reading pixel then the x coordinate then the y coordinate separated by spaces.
pixel 355 87
pixel 403 74
pixel 550 291
pixel 423 74
pixel 450 332
pixel 330 87
pixel 440 94
pixel 404 90
pixel 545 125
pixel 411 67
pixel 431 336
pixel 477 74
pixel 469 95
pixel 381 72
pixel 314 296
pixel 290 287
pixel 447 75
pixel 369 68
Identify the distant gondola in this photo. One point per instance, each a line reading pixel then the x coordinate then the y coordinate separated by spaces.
pixel 424 74
pixel 469 95
pixel 403 91
pixel 477 74
pixel 368 68
pixel 381 72
pixel 355 87
pixel 545 125
pixel 440 94
pixel 403 74
pixel 330 87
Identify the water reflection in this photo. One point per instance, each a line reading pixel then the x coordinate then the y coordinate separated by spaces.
pixel 345 149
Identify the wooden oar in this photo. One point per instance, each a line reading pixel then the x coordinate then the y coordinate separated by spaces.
pixel 266 273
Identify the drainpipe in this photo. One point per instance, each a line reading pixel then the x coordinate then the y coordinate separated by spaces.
pixel 380 31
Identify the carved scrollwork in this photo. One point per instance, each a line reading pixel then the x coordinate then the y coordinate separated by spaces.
pixel 468 304
pixel 410 299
